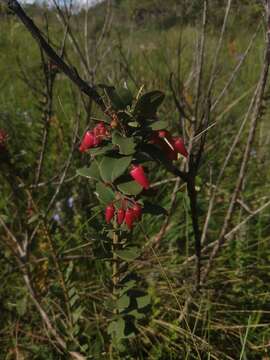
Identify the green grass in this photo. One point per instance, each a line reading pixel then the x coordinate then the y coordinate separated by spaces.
pixel 229 319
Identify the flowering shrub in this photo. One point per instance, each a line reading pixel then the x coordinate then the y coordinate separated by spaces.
pixel 121 148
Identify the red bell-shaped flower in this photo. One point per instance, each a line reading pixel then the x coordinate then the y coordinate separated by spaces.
pixel 158 138
pixel 88 141
pixel 109 213
pixel 139 176
pixel 100 130
pixel 137 210
pixel 179 146
pixel 164 134
pixel 120 216
pixel 129 218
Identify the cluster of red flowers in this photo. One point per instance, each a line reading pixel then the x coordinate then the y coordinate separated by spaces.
pixel 170 145
pixel 94 137
pixel 127 214
pixel 3 139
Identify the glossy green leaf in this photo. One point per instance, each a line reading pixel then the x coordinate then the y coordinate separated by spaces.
pixel 111 168
pixel 130 188
pixel 126 145
pixel 148 104
pixel 120 98
pixel 104 193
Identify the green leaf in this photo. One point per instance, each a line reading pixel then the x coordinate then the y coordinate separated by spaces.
pixel 101 150
pixel 130 188
pixel 116 328
pixel 104 193
pixel 159 125
pixel 125 95
pixel 129 253
pixel 126 145
pixel 143 301
pixel 127 286
pixel 148 104
pixel 136 314
pixel 123 302
pixel 91 172
pixel 120 98
pixel 111 168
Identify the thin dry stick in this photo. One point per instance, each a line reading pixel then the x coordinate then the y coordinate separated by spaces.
pixel 156 241
pixel 66 167
pixel 201 59
pixel 50 78
pixel 236 70
pixel 228 236
pixel 71 72
pixel 246 157
pixel 64 20
pixel 226 162
pixel 106 25
pixel 20 256
pixel 215 62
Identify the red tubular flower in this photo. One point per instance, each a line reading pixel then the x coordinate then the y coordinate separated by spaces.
pixel 120 216
pixel 139 176
pixel 137 210
pixel 109 213
pixel 88 141
pixel 179 146
pixel 158 138
pixel 100 130
pixel 129 218
pixel 169 152
pixel 165 134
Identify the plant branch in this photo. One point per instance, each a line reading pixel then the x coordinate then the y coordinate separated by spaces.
pixel 70 72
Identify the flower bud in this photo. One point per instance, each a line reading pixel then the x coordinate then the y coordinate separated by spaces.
pixel 139 176
pixel 137 210
pixel 179 146
pixel 158 138
pixel 88 141
pixel 120 216
pixel 129 218
pixel 109 213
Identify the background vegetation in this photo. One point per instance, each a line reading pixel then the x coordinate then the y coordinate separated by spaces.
pixel 133 43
